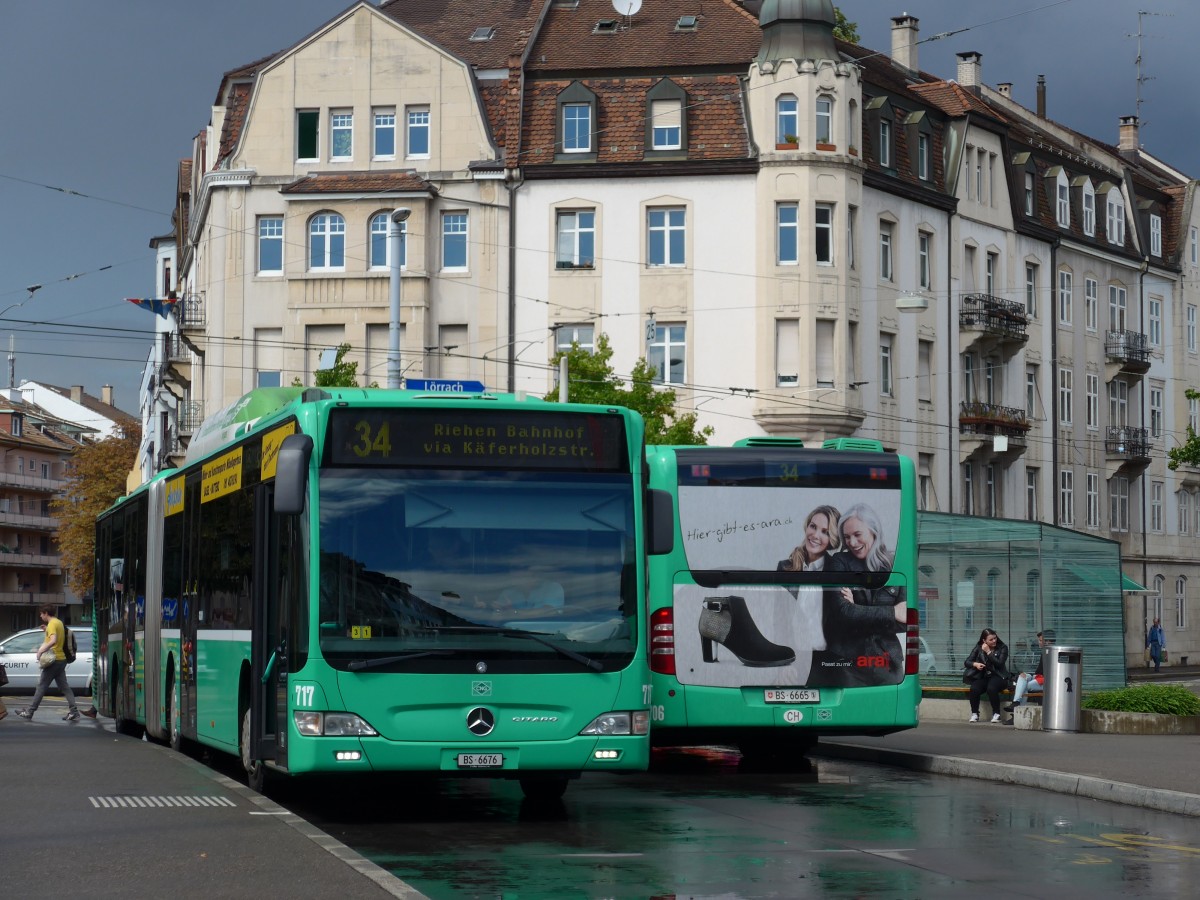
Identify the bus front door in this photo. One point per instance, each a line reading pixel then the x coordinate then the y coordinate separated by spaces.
pixel 268 650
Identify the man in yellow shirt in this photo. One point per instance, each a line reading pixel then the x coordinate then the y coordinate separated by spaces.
pixel 56 640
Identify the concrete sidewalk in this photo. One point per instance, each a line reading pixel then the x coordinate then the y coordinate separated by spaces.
pixel 1153 771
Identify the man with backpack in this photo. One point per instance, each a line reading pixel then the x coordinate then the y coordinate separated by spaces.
pixel 55 668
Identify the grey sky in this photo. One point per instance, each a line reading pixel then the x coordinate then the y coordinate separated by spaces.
pixel 103 98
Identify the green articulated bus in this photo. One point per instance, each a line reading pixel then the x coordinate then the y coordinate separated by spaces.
pixel 787 608
pixel 364 581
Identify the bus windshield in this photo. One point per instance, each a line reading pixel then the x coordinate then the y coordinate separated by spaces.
pixel 433 569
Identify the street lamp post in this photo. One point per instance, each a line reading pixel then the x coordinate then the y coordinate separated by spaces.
pixel 395 242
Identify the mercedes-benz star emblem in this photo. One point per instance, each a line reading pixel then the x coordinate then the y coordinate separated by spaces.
pixel 480 721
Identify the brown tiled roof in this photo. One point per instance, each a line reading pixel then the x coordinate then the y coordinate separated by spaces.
pixel 955 100
pixel 357 182
pixel 235 118
pixel 95 404
pixel 727 36
pixel 450 24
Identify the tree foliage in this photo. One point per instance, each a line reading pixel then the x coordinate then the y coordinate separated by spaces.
pixel 1187 453
pixel 844 29
pixel 591 379
pixel 343 374
pixel 95 477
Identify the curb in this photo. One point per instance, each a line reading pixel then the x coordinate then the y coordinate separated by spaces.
pixel 1026 776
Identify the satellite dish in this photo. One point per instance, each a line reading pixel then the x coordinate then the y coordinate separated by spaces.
pixel 627 7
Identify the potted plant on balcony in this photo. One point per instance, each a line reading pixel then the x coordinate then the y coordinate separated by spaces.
pixel 789 142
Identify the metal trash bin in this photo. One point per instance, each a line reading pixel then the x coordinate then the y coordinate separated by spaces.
pixel 1063 671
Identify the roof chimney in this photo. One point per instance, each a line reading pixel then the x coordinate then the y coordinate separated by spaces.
pixel 106 394
pixel 77 393
pixel 970 70
pixel 1041 96
pixel 1129 134
pixel 904 41
pixel 1005 89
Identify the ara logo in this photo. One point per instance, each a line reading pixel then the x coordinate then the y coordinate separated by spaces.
pixel 535 718
pixel 873 662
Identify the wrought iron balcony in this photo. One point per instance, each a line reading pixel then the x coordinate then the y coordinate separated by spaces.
pixel 1130 348
pixel 189 313
pixel 189 415
pixel 990 419
pixel 994 315
pixel 1131 443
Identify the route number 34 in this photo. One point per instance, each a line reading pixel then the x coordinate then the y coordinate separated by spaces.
pixel 378 444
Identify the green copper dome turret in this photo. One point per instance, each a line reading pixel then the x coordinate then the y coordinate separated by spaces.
pixel 797 29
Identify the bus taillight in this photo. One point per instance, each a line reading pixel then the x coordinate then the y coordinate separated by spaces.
pixel 662 641
pixel 912 641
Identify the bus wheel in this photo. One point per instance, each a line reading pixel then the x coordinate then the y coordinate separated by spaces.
pixel 543 790
pixel 256 772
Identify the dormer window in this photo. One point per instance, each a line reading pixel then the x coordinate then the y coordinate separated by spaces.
pixel 1116 217
pixel 885 144
pixel 1062 198
pixel 1155 235
pixel 576 124
pixel 17 426
pixel 666 125
pixel 1089 208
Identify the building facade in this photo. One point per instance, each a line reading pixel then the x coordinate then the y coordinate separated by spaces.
pixel 803 236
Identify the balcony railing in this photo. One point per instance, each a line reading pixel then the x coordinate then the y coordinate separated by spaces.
pixel 994 315
pixel 1130 347
pixel 189 313
pixel 1131 443
pixel 990 419
pixel 32 598
pixel 190 415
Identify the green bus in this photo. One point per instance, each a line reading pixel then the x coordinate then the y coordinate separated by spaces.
pixel 364 581
pixel 787 608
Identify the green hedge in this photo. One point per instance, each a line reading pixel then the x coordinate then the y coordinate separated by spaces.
pixel 1166 699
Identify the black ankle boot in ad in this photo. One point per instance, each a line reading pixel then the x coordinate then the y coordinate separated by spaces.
pixel 727 621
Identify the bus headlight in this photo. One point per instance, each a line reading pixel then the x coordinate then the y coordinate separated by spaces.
pixel 636 722
pixel 331 724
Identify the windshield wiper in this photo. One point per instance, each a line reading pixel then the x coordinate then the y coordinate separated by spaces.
pixel 356 664
pixel 531 635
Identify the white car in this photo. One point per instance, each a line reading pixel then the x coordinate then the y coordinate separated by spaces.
pixel 926 664
pixel 17 657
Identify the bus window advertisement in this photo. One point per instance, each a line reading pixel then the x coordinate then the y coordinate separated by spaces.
pixel 800 615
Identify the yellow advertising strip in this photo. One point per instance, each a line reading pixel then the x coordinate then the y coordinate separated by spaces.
pixel 174 496
pixel 221 476
pixel 271 443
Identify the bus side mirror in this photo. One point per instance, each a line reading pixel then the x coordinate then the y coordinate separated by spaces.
pixel 291 474
pixel 660 536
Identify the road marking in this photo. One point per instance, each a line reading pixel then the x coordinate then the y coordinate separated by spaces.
pixel 126 801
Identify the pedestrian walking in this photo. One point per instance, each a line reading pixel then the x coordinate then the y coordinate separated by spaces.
pixel 1157 643
pixel 55 641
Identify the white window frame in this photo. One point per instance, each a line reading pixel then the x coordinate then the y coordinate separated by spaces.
pixel 1183 510
pixel 574 230
pixel 417 121
pixel 1190 327
pixel 1031 494
pixel 1155 235
pixel 1091 304
pixel 1093 500
pixel 1194 241
pixel 1118 308
pixel 1181 602
pixel 1063 204
pixel 330 229
pixel 787 234
pixel 1089 209
pixel 380 247
pixel 823 234
pixel 886 268
pixel 666 130
pixel 1092 385
pixel 662 224
pixel 668 337
pixel 1030 194
pixel 456 232
pixel 1066 396
pixel 577 127
pixel 787 119
pixel 1194 414
pixel 886 374
pixel 1066 497
pixel 924 260
pixel 383 123
pixel 1064 297
pixel 1031 304
pixel 1156 507
pixel 1156 412
pixel 270 233
pixel 341 129
pixel 923 157
pixel 1118 494
pixel 1115 217
pixel 885 144
pixel 1154 321
pixel 824 119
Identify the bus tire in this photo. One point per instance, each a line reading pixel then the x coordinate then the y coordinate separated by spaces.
pixel 544 790
pixel 256 772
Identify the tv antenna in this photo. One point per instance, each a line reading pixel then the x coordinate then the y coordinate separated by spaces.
pixel 1141 76
pixel 626 9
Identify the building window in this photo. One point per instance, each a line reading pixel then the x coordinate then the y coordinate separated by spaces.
pixel 1031 494
pixel 1156 235
pixel 1063 208
pixel 825 344
pixel 924 267
pixel 925 490
pixel 1029 193
pixel 851 237
pixel 1064 298
pixel 1194 414
pixel 925 371
pixel 968 370
pixel 1117 308
pixel 1066 497
pixel 666 236
pixel 787 352
pixel 991 509
pixel 268 357
pixel 885 144
pixel 1194 241
pixel 787 235
pixel 270 245
pixel 923 168
pixel 989 274
pixel 1066 391
pixel 341 135
pixel 566 336
pixel 1118 403
pixel 1190 326
pixel 1092 388
pixel 1031 274
pixel 1154 321
pixel 823 236
pixel 308 134
pixel 577 128
pixel 1091 304
pixel 379 250
pixel 1089 209
pixel 384 134
pixel 454 241
pixel 885 251
pixel 787 120
pixel 418 132
pixel 885 365
pixel 1118 493
pixel 1093 500
pixel 327 242
pixel 1156 412
pixel 1031 390
pixel 668 354
pixel 824 120
pixel 1182 501
pixel 1181 602
pixel 667 131
pixel 575 239
pixel 1156 506
pixel 1116 217
pixel 968 490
